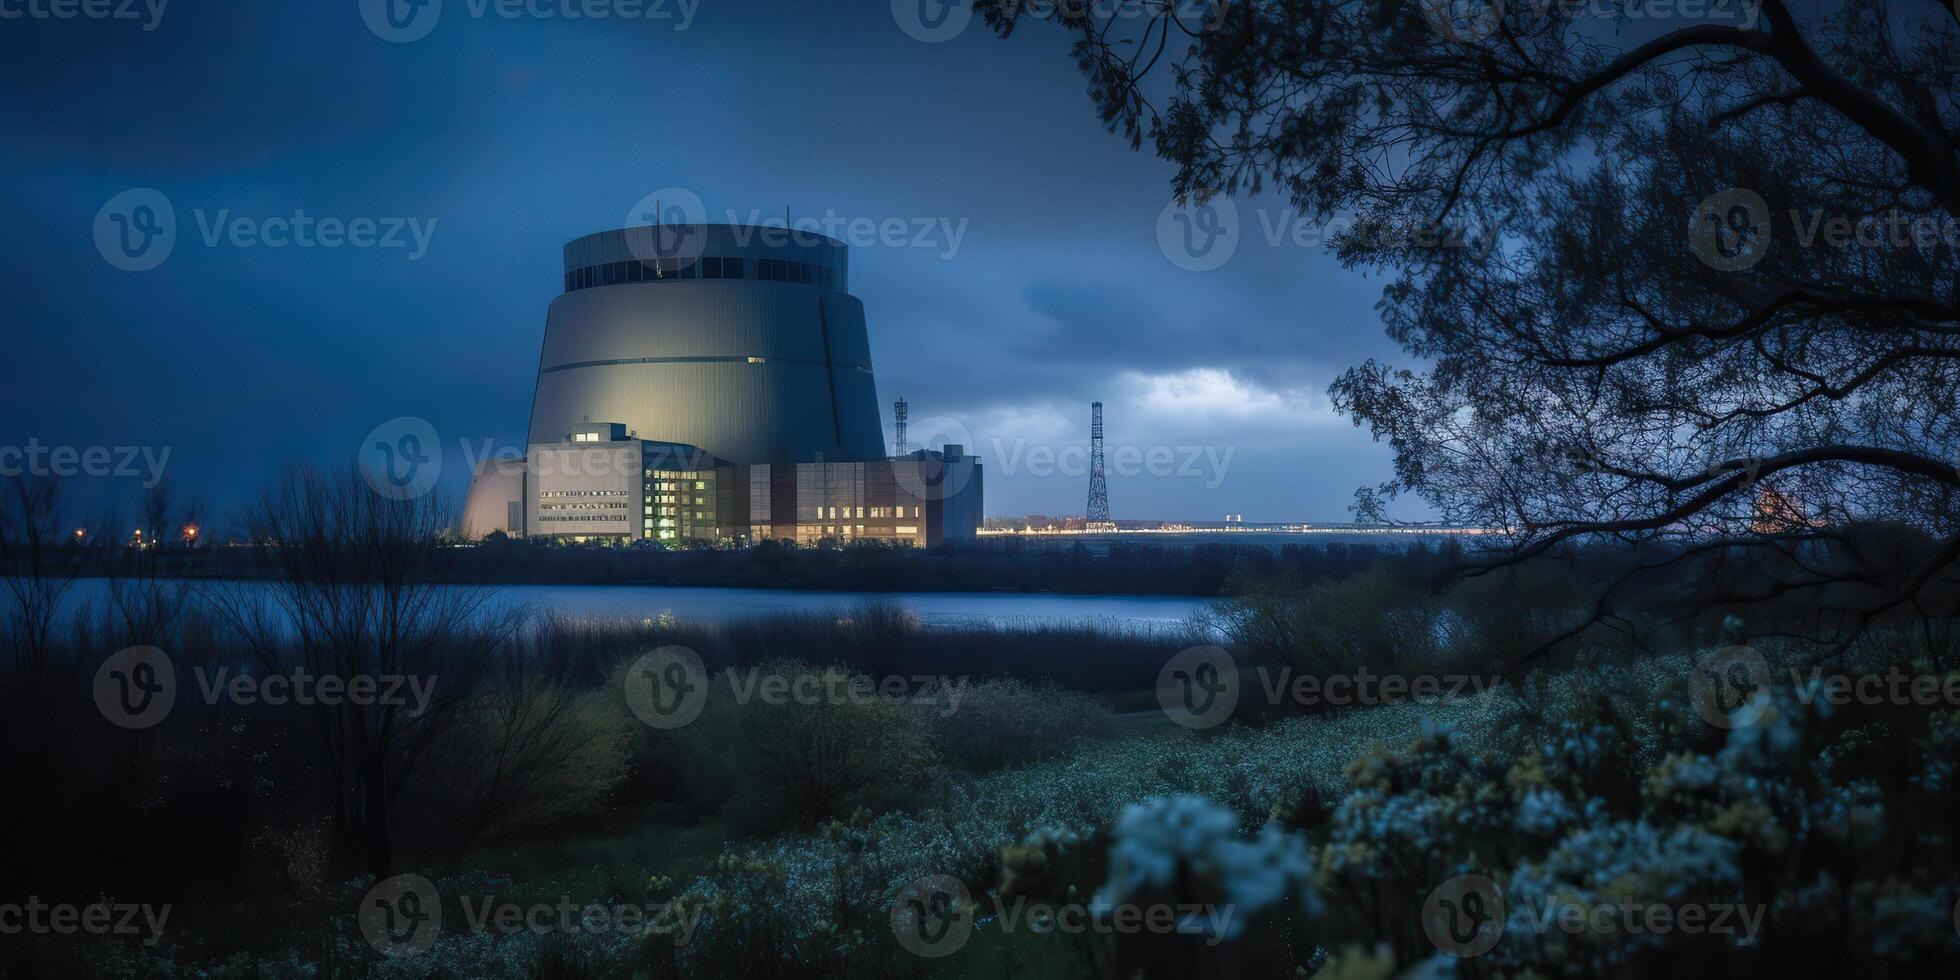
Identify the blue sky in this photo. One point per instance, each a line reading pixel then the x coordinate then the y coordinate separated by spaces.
pixel 503 137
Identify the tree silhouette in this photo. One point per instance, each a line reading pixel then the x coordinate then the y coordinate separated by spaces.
pixel 1719 262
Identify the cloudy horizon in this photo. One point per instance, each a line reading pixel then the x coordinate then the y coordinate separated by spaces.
pixel 1032 279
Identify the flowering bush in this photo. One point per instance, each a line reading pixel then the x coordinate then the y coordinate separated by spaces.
pixel 1619 832
pixel 1770 848
pixel 1046 831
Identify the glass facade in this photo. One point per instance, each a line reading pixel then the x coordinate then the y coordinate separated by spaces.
pixel 680 506
pixel 677 496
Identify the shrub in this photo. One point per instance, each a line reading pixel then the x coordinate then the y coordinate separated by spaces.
pixel 1006 722
pixel 1620 796
pixel 766 762
pixel 796 895
pixel 812 760
pixel 1328 627
pixel 530 755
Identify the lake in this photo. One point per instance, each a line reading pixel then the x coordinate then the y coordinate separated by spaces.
pixel 932 608
pixel 720 605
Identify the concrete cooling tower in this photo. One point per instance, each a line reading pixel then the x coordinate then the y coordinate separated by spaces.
pixel 743 341
pixel 711 385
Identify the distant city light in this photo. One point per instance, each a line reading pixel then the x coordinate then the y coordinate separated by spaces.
pixel 1173 528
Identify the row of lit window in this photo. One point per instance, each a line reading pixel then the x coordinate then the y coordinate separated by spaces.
pixel 672 270
pixel 675 485
pixel 582 493
pixel 846 529
pixel 844 513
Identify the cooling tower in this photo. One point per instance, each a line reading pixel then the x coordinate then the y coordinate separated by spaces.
pixel 743 341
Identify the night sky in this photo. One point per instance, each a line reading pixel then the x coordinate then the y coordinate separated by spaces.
pixel 514 135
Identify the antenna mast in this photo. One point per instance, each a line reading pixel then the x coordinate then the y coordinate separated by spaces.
pixel 1098 484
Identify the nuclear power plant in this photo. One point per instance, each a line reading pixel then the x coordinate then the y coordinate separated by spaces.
pixel 712 384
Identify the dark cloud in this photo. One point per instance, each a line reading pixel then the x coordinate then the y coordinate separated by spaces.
pixel 515 136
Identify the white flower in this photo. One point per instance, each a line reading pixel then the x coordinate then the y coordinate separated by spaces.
pixel 1161 842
